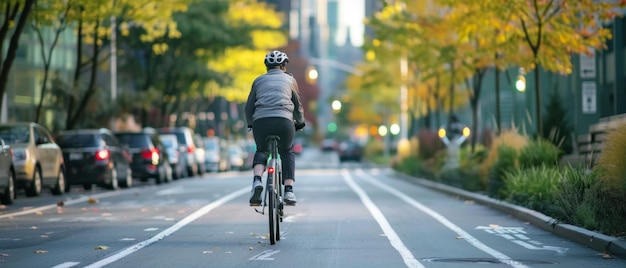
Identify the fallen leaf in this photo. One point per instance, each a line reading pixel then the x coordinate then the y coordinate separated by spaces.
pixel 101 248
pixel 39 213
pixel 92 200
pixel 106 214
pixel 41 251
pixel 33 227
pixel 250 248
pixel 228 252
pixel 144 209
pixel 43 236
pixel 216 248
pixel 605 255
pixel 459 237
pixel 494 226
pixel 207 252
pixel 4 255
pixel 469 202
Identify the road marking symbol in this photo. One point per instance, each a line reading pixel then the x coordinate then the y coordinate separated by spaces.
pixel 265 255
pixel 517 236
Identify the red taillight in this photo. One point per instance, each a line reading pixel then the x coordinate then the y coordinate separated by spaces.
pixel 270 170
pixel 102 155
pixel 190 149
pixel 150 154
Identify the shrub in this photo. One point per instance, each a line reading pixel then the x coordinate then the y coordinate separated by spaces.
pixel 505 163
pixel 533 187
pixel 612 161
pixel 429 144
pixel 539 152
pixel 612 176
pixel 577 200
pixel 411 165
pixel 508 137
pixel 461 178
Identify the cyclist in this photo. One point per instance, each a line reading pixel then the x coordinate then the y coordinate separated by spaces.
pixel 274 108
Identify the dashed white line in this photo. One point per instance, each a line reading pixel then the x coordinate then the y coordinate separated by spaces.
pixel 441 219
pixel 197 214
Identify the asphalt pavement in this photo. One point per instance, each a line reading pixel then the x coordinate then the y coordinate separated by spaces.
pixel 597 241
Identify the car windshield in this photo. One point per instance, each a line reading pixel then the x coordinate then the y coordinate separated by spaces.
pixel 77 140
pixel 134 140
pixel 168 143
pixel 15 134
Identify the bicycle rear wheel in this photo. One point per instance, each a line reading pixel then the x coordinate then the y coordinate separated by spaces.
pixel 272 211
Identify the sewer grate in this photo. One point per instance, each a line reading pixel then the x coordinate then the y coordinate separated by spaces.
pixel 484 260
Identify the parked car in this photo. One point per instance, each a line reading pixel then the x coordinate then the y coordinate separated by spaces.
pixel 328 145
pixel 236 157
pixel 215 155
pixel 170 142
pixel 7 174
pixel 185 139
pixel 350 151
pixel 149 156
pixel 199 153
pixel 37 159
pixel 95 156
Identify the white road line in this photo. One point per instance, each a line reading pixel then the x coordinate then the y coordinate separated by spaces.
pixel 466 236
pixel 192 217
pixel 65 202
pixel 66 265
pixel 391 235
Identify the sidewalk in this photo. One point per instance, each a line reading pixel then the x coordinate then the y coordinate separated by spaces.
pixel 596 241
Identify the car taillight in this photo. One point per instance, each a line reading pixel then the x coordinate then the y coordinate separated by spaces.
pixel 102 155
pixel 190 149
pixel 152 155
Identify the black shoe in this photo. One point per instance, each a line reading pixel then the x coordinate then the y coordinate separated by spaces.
pixel 255 193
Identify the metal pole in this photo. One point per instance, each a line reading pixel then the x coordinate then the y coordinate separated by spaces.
pixel 404 117
pixel 113 59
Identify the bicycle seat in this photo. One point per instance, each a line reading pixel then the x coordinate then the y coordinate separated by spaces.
pixel 272 137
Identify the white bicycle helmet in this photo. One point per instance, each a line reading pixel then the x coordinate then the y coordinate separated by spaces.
pixel 276 58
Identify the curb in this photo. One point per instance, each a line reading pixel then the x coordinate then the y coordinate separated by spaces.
pixel 593 240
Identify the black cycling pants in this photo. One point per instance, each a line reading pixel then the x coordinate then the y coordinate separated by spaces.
pixel 285 129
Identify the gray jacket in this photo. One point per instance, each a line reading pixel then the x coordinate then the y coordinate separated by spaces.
pixel 274 94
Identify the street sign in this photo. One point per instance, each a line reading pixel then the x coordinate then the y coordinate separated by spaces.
pixel 588 65
pixel 589 97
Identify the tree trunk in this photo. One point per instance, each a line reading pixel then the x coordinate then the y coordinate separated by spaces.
pixel 91 88
pixel 498 115
pixel 14 43
pixel 538 105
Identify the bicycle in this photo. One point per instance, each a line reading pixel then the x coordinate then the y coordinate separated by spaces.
pixel 273 197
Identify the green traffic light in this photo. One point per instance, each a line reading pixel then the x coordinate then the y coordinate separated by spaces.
pixel 332 127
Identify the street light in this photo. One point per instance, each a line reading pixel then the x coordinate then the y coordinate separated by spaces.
pixel 336 105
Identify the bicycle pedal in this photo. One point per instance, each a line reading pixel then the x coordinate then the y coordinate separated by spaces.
pixel 255 204
pixel 291 204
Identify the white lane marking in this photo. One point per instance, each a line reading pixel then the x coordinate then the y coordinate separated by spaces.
pixel 466 236
pixel 558 250
pixel 192 217
pixel 66 265
pixel 65 202
pixel 391 235
pixel 265 255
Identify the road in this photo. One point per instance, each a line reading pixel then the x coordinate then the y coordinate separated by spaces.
pixel 348 215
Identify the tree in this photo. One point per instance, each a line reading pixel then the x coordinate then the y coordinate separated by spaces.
pixel 13 10
pixel 48 16
pixel 554 30
pixel 91 19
